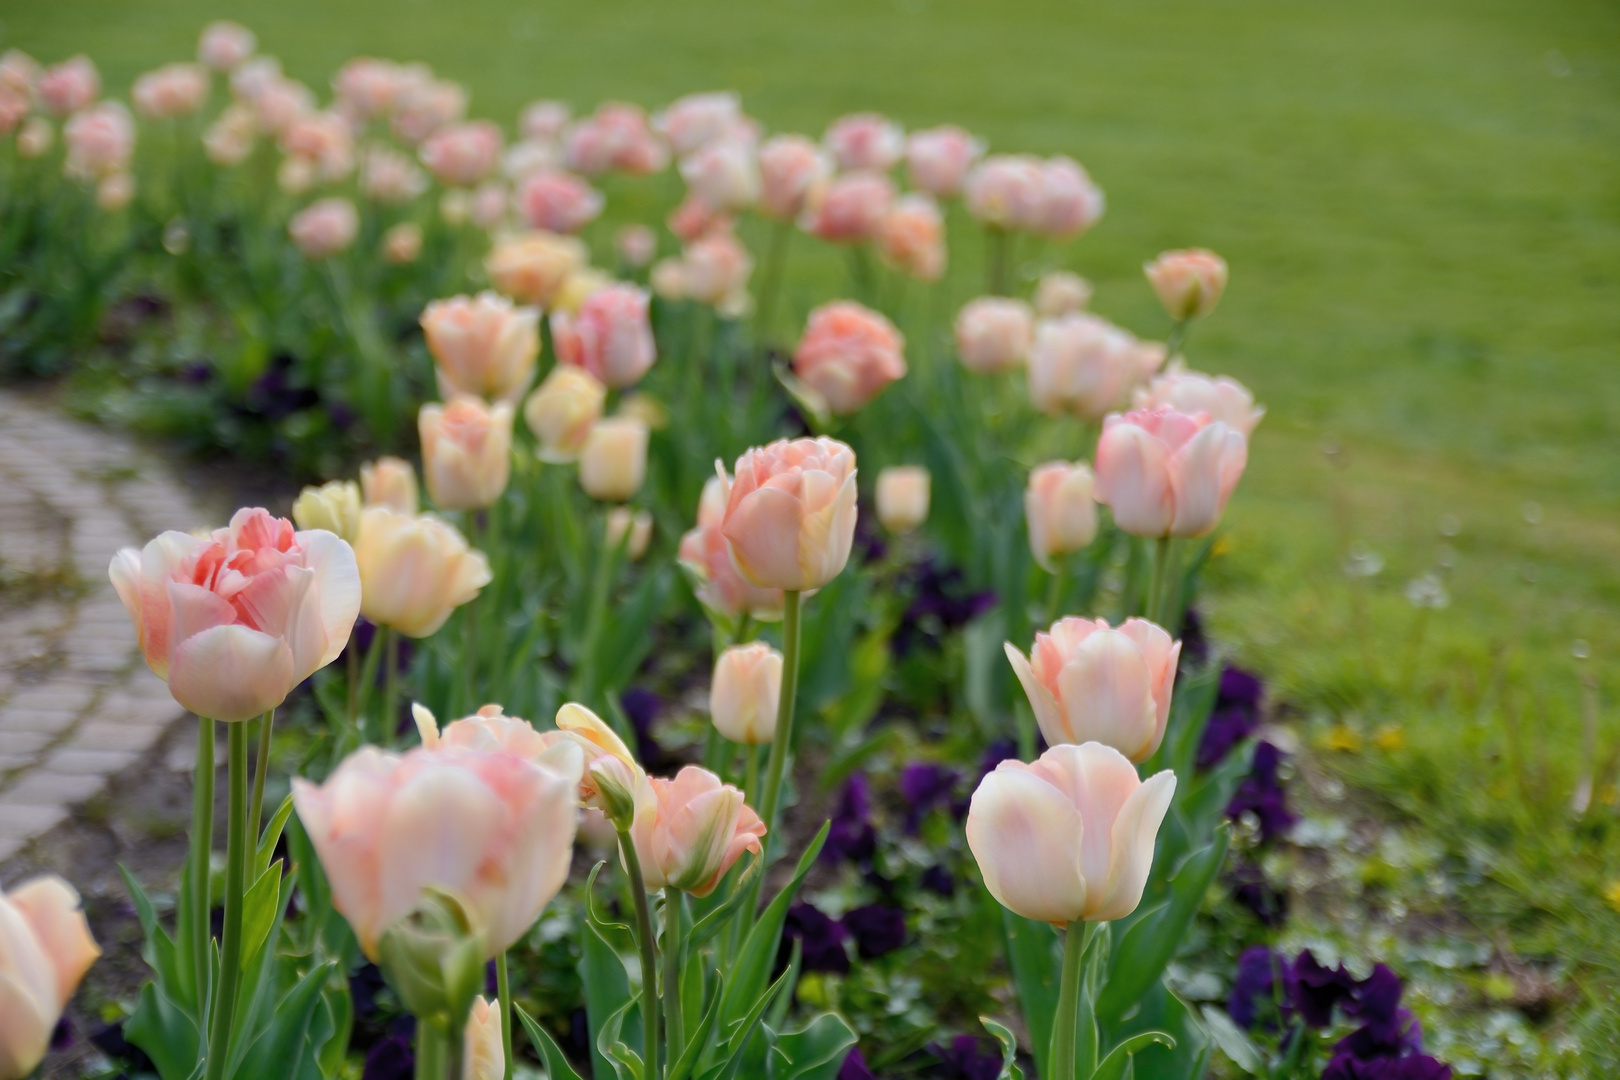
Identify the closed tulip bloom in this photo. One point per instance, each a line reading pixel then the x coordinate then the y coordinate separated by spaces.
pixel 45 949
pixel 1070 836
pixel 100 140
pixel 1006 191
pixel 115 191
pixel 69 86
pixel 1081 365
pixel 636 245
pixel 865 141
pixel 466 451
pixel 789 167
pixel 612 781
pixel 235 619
pixel 790 515
pixel 1223 398
pixel 171 91
pixel 694 219
pixel 1061 292
pixel 321 144
pixel 388 176
pixel 577 288
pixel 324 228
pixel 461 155
pixel 850 208
pixel 630 528
pixel 333 506
pixel 35 138
pixel 1059 510
pixel 532 266
pixel 1088 682
pixel 724 174
pixel 994 334
pixel 696 120
pixel 231 137
pixel 1070 202
pixel 544 121
pixel 483 1052
pixel 495 831
pixel 366 88
pixel 252 76
pixel 1164 473
pixel 716 268
pixel 562 410
pixel 938 159
pixel 414 570
pixel 745 693
pixel 902 497
pixel 848 354
pixel 616 137
pixel 613 462
pixel 699 829
pixel 609 335
pixel 402 243
pixel 706 557
pixel 280 103
pixel 912 237
pixel 19 72
pixel 557 201
pixel 423 106
pixel 483 346
pixel 225 44
pixel 391 482
pixel 1189 283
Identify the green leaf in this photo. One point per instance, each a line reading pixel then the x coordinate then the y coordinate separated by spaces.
pixel 259 907
pixel 279 1051
pixel 777 1016
pixel 160 951
pixel 720 917
pixel 1032 953
pixel 1160 1010
pixel 815 1052
pixel 1234 1042
pixel 607 990
pixel 684 1065
pixel 1009 1049
pixel 624 1062
pixel 340 1008
pixel 272 834
pixel 166 1033
pixel 753 964
pixel 556 1062
pixel 738 1035
pixel 1118 1064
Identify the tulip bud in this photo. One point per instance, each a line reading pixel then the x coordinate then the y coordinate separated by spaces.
pixel 483 1053
pixel 115 191
pixel 334 506
pixel 223 45
pixel 911 237
pixel 402 243
pixel 414 570
pixel 1188 283
pixel 636 245
pixel 1061 293
pixel 865 141
pixel 902 497
pixel 994 334
pixel 45 949
pixel 1081 365
pixel 626 782
pixel 324 228
pixel 620 789
pixel 790 167
pixel 562 411
pixel 746 693
pixel 698 828
pixel 483 346
pixel 848 355
pixel 1060 511
pixel 466 451
pixel 390 482
pixel 607 333
pixel 532 267
pixel 558 202
pixel 633 529
pixel 790 516
pixel 35 138
pixel 613 462
pixel 1191 392
pixel 1164 473
pixel 434 960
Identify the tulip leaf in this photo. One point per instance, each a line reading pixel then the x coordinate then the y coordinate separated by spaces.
pixel 740 1033
pixel 160 951
pixel 1235 1042
pixel 607 985
pixel 272 834
pixel 814 1052
pixel 718 919
pixel 625 1063
pixel 556 1062
pixel 162 1029
pixel 340 1008
pixel 754 962
pixel 1032 954
pixel 259 906
pixel 279 1051
pixel 1009 1049
pixel 778 1012
pixel 591 914
pixel 684 1064
pixel 1120 1064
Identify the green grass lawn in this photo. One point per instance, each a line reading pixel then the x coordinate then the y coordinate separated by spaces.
pixel 1419 204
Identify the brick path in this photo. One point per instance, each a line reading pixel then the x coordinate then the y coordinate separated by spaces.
pixel 77 704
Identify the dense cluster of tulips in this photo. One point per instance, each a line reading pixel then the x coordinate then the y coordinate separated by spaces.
pixel 1048 457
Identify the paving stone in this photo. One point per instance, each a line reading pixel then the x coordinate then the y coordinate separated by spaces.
pixel 116 735
pixel 41 721
pixel 29 820
pixel 54 696
pixel 23 742
pixel 71 761
pixel 42 786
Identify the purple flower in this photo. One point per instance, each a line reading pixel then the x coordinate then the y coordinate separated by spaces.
pixel 1262 794
pixel 391 1058
pixel 641 707
pixel 1254 990
pixel 925 785
pixel 851 835
pixel 1194 645
pixel 937 879
pixel 876 928
pixel 855 1066
pixel 1416 1067
pixel 1253 890
pixel 1235 716
pixel 941 603
pixel 998 751
pixel 62 1034
pixel 968 1058
pixel 821 939
pixel 1316 989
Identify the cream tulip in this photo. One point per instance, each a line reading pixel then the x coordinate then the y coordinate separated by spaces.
pixel 630 528
pixel 45 950
pixel 1189 283
pixel 613 462
pixel 1191 392
pixel 391 482
pixel 994 334
pixel 1059 510
pixel 414 570
pixel 1082 366
pixel 562 411
pixel 483 1054
pixel 334 506
pixel 483 345
pixel 902 497
pixel 466 451
pixel 532 266
pixel 745 693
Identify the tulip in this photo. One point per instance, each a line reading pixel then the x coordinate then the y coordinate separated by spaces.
pixel 724 174
pixel 848 354
pixel 466 451
pixel 558 202
pixel 612 781
pixel 715 271
pixel 1164 473
pixel 609 337
pixel 668 280
pixel 544 121
pixel 902 497
pixel 483 1051
pixel 69 86
pixel 460 155
pixel 115 191
pixel 532 266
pixel 1223 398
pixel 1060 511
pixel 423 107
pixel 414 570
pixel 1081 365
pixel 1070 203
pixel 171 91
pixel 366 88
pixel 613 462
pixel 252 76
pixel 19 72
pixel 483 346
pixel 488 731
pixel 630 528
pixel 616 136
pixel 237 618
pixel 865 141
pixel 390 482
pixel 790 166
pixel 577 288
pixel 224 44
pixel 1005 191
pixel 1188 283
pixel 35 138
pixel 322 143
pixel 334 506
pixel 699 828
pixel 938 160
pixel 706 557
pixel 494 831
pixel 790 514
pixel 388 176
pixel 745 693
pixel 1088 682
pixel 1070 836
pixel 100 140
pixel 1060 293
pixel 994 334
pixel 562 411
pixel 528 156
pixel 911 237
pixel 696 120
pixel 694 219
pixel 636 245
pixel 324 228
pixel 849 209
pixel 280 103
pixel 490 202
pixel 402 243
pixel 45 950
pixel 231 137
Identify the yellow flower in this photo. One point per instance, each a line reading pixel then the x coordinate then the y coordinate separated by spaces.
pixel 1611 893
pixel 1389 737
pixel 1343 739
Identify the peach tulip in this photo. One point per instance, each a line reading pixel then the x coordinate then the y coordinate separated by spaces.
pixel 173 90
pixel 612 781
pixel 994 334
pixel 231 137
pixel 609 336
pixel 631 529
pixel 1088 682
pixel 865 141
pixel 333 506
pixel 488 731
pixel 694 219
pixel 696 120
pixel 366 88
pixel 706 557
pixel 902 497
pixel 911 237
pixel 715 271
pixel 15 106
pixel 1164 473
pixel 483 1055
pixel 45 950
pixel 402 243
pixel 562 410
pixel 1081 365
pixel 495 831
pixel 1070 203
pixel 100 140
pixel 1189 283
pixel 532 266
pixel 1223 398
pixel 466 451
pixel 253 76
pixel 723 174
pixel 1005 191
pixel 414 570
pixel 224 44
pixel 237 618
pixel 19 73
pixel 613 462
pixel 850 208
pixel 790 166
pixel 1059 510
pixel 745 693
pixel 528 156
pixel 461 155
pixel 388 176
pixel 115 191
pixel 557 201
pixel 938 159
pixel 1061 292
pixel 1070 836
pixel 69 86
pixel 391 482
pixel 637 245
pixel 483 345
pixel 544 121
pixel 848 354
pixel 790 515
pixel 698 829
pixel 324 228
pixel 280 103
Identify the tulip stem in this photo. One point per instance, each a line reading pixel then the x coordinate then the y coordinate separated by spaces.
pixel 674 1023
pixel 368 676
pixel 503 987
pixel 751 775
pixel 432 1055
pixel 1069 1060
pixel 771 287
pixel 261 768
pixel 1178 336
pixel 784 709
pixel 596 614
pixel 649 957
pixel 1156 579
pixel 390 686
pixel 1056 588
pixel 223 1013
pixel 202 849
pixel 997 241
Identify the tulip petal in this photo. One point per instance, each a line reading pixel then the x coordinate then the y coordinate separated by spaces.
pixel 1047 714
pixel 1105 693
pixel 231 673
pixel 1131 480
pixel 51 908
pixel 1131 843
pixel 763 533
pixel 25 1028
pixel 1097 780
pixel 1027 838
pixel 439 824
pixel 1198 472
pixel 337 589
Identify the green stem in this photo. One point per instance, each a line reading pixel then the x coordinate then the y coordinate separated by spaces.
pixel 995 260
pixel 596 616
pixel 390 685
pixel 223 1012
pixel 368 678
pixel 649 957
pixel 503 986
pixel 1178 337
pixel 771 287
pixel 1066 1022
pixel 202 849
pixel 261 769
pixel 352 655
pixel 784 709
pixel 674 1023
pixel 1056 588
pixel 432 1053
pixel 1156 576
pixel 751 775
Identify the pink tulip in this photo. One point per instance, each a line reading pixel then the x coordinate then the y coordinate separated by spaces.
pixel 696 120
pixel 723 174
pixel 533 266
pixel 423 106
pixel 236 619
pixel 415 570
pixel 1164 473
pixel 790 515
pixel 745 693
pixel 493 830
pixel 694 219
pixel 69 86
pixel 1081 365
pixel 609 337
pixel 466 451
pixel 402 243
pixel 483 345
pixel 14 108
pixel 1223 398
pixel 616 137
pixel 850 209
pixel 460 155
pixel 706 557
pixel 938 159
pixel 544 121
pixel 865 141
pixel 324 141
pixel 558 202
pixel 100 141
pixel 1070 836
pixel 324 228
pixel 848 354
pixel 912 237
pixel 902 497
pixel 173 90
pixel 716 272
pixel 223 45
pixel 699 829
pixel 790 166
pixel 994 334
pixel 1059 510
pixel 388 176
pixel 279 103
pixel 366 88
pixel 1070 203
pixel 1060 293
pixel 561 412
pixel 636 244
pixel 45 950
pixel 1006 191
pixel 1189 283
pixel 390 482
pixel 253 76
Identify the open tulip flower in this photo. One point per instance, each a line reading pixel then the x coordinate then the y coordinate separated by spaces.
pixel 466 451
pixel 1165 473
pixel 706 556
pixel 848 354
pixel 1192 392
pixel 790 518
pixel 414 570
pixel 483 346
pixel 45 949
pixel 699 828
